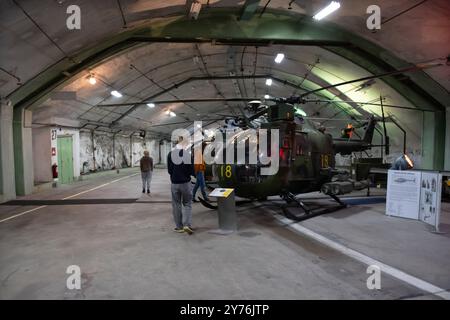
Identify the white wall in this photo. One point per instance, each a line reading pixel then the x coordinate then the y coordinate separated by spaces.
pixel 42 155
pixel 104 157
pixel 122 151
pixel 108 157
pixel 140 145
pixel 86 152
pixel 165 149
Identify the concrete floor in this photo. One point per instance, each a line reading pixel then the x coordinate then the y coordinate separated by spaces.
pixel 129 251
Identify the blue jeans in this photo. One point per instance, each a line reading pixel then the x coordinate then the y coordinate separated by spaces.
pixel 200 183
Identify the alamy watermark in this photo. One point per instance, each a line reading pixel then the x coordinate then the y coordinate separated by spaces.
pixel 373 22
pixel 374 280
pixel 73 22
pixel 252 147
pixel 73 281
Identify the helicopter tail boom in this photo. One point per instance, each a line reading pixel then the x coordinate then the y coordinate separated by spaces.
pixel 347 146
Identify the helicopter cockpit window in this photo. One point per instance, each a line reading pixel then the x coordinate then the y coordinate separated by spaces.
pixel 299 119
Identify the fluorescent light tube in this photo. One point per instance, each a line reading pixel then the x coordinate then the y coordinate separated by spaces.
pixel 116 94
pixel 333 6
pixel 279 57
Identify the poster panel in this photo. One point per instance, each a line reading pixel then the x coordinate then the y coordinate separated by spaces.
pixel 430 198
pixel 403 194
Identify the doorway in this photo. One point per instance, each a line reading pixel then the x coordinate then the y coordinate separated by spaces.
pixel 65 160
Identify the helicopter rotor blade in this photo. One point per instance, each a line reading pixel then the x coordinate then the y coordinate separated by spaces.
pixel 416 67
pixel 366 103
pixel 159 102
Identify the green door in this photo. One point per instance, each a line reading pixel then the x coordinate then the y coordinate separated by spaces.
pixel 65 160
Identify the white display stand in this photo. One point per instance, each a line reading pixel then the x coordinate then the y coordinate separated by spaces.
pixel 414 195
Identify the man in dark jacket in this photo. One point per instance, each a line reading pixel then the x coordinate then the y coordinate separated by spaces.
pixel 180 177
pixel 146 171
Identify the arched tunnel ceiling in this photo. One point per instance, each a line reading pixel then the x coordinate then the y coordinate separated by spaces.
pixel 166 64
pixel 416 36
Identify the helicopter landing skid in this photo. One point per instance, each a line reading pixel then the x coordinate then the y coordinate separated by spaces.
pixel 207 204
pixel 292 202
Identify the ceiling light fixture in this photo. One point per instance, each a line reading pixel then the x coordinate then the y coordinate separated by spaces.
pixel 170 113
pixel 92 80
pixel 268 82
pixel 151 105
pixel 333 6
pixel 116 94
pixel 279 57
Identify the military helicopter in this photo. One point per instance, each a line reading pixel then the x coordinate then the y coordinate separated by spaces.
pixel 307 155
pixel 306 160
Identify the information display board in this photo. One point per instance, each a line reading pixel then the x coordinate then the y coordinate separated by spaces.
pixel 414 195
pixel 430 198
pixel 403 194
pixel 221 192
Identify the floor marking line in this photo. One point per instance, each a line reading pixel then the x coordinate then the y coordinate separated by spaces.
pixel 69 197
pixel 98 187
pixel 394 272
pixel 22 213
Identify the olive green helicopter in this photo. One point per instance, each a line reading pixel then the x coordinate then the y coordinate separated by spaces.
pixel 306 153
pixel 306 160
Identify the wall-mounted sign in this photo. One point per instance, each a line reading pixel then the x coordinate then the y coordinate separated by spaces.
pixel 53 151
pixel 54 134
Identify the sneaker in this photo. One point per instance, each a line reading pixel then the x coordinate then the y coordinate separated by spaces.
pixel 143 190
pixel 188 230
pixel 148 191
pixel 179 230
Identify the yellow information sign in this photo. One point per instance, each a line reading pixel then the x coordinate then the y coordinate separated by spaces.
pixel 221 192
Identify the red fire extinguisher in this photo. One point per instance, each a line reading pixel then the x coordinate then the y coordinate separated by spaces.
pixel 55 170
